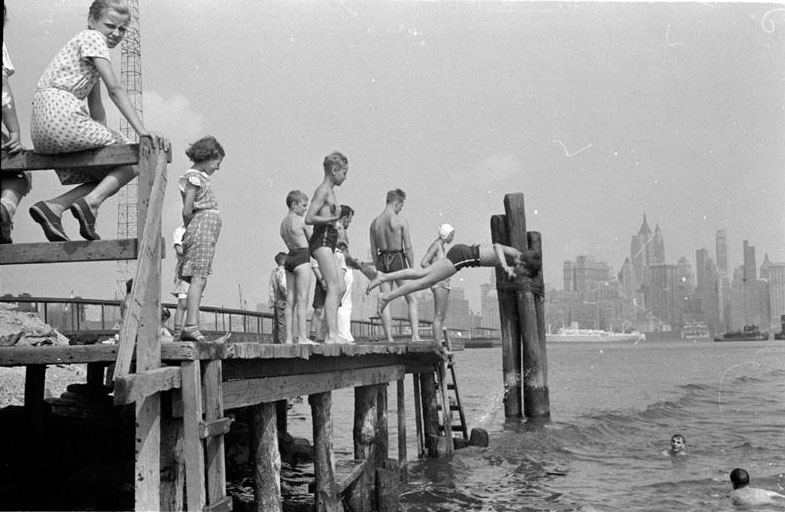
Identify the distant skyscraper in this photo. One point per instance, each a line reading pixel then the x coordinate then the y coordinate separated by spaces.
pixel 583 276
pixel 776 296
pixel 489 303
pixel 658 246
pixel 662 293
pixel 751 289
pixel 722 252
pixel 641 252
pixel 750 267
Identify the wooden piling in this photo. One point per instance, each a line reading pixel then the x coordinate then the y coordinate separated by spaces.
pixel 446 413
pixel 361 495
pixel 401 416
pixel 510 330
pixel 325 496
pixel 382 429
pixel 266 458
pixel 418 416
pixel 172 460
pixel 430 412
pixel 535 391
pixel 538 285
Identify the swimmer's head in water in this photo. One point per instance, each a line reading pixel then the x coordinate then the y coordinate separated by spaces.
pixel 739 478
pixel 678 443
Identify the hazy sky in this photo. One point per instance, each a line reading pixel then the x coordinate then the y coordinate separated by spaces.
pixel 597 112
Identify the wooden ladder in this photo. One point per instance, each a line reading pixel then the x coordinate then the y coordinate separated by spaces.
pixel 450 402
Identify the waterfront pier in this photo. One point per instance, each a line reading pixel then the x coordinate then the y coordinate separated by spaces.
pixel 179 395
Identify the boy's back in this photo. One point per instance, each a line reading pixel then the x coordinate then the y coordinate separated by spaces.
pixel 387 231
pixel 294 231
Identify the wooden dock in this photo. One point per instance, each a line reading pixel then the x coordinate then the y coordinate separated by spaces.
pixel 181 392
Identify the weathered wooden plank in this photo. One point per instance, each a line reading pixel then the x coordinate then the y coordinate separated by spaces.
pixel 172 463
pixel 109 156
pixel 346 472
pixel 222 505
pixel 194 453
pixel 510 331
pixel 243 393
pixel 141 317
pixel 266 458
pixel 430 410
pixel 137 386
pixel 147 476
pixel 418 416
pixel 214 428
pixel 325 494
pixel 57 354
pixel 446 409
pixel 214 446
pixel 401 416
pixel 68 252
pixel 361 495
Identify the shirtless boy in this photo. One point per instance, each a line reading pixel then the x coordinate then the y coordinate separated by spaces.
pixel 323 214
pixel 458 257
pixel 678 446
pixel 296 235
pixel 749 497
pixel 392 247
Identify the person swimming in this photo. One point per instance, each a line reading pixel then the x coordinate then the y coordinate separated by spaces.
pixel 678 446
pixel 745 496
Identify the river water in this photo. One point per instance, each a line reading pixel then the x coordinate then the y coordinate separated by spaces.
pixel 613 410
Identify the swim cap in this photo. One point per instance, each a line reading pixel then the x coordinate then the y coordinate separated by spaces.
pixel 445 230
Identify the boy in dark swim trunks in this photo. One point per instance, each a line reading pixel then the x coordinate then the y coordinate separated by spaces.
pixel 296 235
pixel 391 246
pixel 458 257
pixel 323 214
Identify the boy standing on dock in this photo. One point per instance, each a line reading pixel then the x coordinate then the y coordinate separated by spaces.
pixel 296 235
pixel 392 247
pixel 323 214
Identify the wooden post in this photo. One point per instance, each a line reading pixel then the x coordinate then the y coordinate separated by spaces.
pixel 382 428
pixel 192 417
pixel 430 412
pixel 361 495
pixel 401 401
pixel 538 285
pixel 418 416
pixel 266 458
pixel 214 444
pixel 172 460
pixel 388 487
pixel 148 348
pixel 535 394
pixel 510 330
pixel 325 496
pixel 282 417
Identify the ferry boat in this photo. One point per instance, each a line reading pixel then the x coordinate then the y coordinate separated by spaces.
pixel 594 335
pixel 697 331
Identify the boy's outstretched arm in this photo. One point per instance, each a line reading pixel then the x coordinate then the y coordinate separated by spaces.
pixel 498 249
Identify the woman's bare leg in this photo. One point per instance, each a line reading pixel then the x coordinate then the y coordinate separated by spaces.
pixel 439 271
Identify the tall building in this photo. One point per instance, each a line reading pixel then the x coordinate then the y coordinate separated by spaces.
pixel 489 304
pixel 721 254
pixel 685 285
pixel 641 252
pixel 662 294
pixel 776 278
pixel 751 287
pixel 583 276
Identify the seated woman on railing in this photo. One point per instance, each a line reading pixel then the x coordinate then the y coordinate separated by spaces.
pixel 62 123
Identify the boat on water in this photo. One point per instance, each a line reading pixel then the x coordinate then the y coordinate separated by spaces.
pixel 748 333
pixel 697 331
pixel 594 335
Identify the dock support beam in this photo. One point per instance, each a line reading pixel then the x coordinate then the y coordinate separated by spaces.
pixel 266 457
pixel 325 496
pixel 361 494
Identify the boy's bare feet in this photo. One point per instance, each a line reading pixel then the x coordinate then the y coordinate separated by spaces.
pixel 375 282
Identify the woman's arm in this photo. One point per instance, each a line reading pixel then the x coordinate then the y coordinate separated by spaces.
pixel 498 249
pixel 119 96
pixel 430 254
